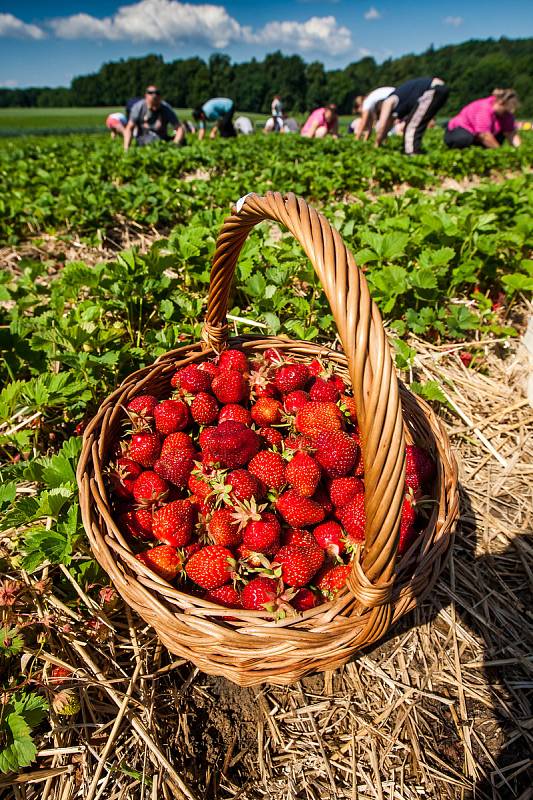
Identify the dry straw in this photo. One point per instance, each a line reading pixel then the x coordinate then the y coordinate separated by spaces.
pixel 250 649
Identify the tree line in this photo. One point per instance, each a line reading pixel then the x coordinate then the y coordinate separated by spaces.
pixel 472 69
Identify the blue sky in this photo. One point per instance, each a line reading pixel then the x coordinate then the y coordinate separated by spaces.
pixel 48 44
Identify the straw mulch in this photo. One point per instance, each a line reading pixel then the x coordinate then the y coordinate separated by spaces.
pixel 439 710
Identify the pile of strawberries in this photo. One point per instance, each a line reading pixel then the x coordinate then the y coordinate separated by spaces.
pixel 248 482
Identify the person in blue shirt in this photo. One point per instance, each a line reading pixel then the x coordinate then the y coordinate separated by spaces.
pixel 219 110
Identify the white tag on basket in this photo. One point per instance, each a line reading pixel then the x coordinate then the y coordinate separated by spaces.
pixel 241 201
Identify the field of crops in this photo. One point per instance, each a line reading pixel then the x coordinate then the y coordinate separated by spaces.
pixel 105 266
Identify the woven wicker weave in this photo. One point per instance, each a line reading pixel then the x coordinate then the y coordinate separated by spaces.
pixel 247 648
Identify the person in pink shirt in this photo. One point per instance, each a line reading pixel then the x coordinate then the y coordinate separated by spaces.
pixel 487 122
pixel 321 122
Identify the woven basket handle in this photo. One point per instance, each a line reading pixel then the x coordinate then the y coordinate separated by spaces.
pixel 370 365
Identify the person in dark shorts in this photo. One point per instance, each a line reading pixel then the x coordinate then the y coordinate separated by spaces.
pixel 151 117
pixel 415 102
pixel 219 110
pixel 487 122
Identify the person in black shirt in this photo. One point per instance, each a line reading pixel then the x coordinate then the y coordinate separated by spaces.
pixel 151 118
pixel 416 102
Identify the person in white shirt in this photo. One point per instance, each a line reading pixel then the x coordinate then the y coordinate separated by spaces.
pixel 369 106
pixel 244 125
pixel 276 109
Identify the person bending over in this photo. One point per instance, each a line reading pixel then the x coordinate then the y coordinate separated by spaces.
pixel 151 117
pixel 369 107
pixel 276 109
pixel 219 110
pixel 321 122
pixel 116 123
pixel 487 122
pixel 414 102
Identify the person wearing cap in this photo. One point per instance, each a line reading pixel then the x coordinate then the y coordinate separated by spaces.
pixel 488 122
pixel 321 122
pixel 151 117
pixel 416 102
pixel 369 107
pixel 219 110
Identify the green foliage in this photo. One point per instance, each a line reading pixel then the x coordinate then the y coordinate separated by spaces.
pixel 19 716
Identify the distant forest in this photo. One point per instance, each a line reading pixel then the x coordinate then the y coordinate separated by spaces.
pixel 472 69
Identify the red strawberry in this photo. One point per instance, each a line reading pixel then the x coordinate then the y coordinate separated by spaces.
pixel 233 360
pixel 229 386
pixel 269 467
pixel 164 560
pixel 204 409
pixel 342 490
pixel 295 400
pixel 123 475
pixel 298 564
pixel 232 444
pixel 202 505
pixel 191 379
pixel 235 413
pixel 419 467
pixel 190 549
pixel 244 485
pixel 336 452
pixel 313 418
pixel 353 517
pixel 321 497
pixel 198 484
pixel 466 357
pixel 298 443
pixel 273 356
pixel 171 416
pixel 303 474
pixel 299 511
pixel 175 467
pixel 304 599
pixel 349 407
pixel 329 536
pixel 259 594
pixel 178 441
pixel 173 524
pixel 315 367
pixel 290 377
pixel 211 567
pixel 262 536
pixel 271 436
pixel 407 526
pixel 209 367
pixel 142 406
pixel 330 580
pixel 59 675
pixel 226 596
pixel 149 489
pixel 144 448
pixel 324 390
pixel 267 411
pixel 298 538
pixel 223 529
pixel 138 523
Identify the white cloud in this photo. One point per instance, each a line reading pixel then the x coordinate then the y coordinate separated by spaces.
pixel 455 21
pixel 9 84
pixel 372 13
pixel 155 21
pixel 172 21
pixel 12 26
pixel 315 34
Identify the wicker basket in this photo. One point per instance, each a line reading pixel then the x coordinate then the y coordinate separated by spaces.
pixel 247 648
